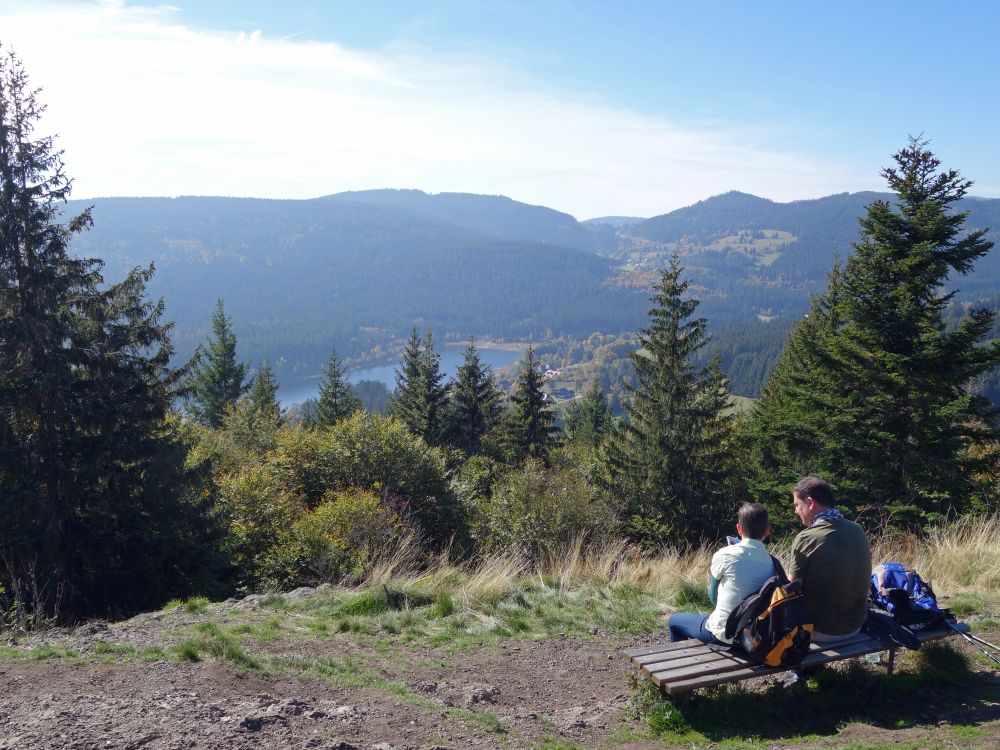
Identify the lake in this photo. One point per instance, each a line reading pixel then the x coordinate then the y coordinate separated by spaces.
pixel 295 391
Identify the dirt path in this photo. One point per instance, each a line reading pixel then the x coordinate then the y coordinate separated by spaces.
pixel 337 692
pixel 515 695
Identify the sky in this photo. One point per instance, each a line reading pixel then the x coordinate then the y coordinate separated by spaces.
pixel 589 107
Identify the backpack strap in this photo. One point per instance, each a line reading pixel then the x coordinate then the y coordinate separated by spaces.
pixel 779 571
pixel 751 607
pixel 882 625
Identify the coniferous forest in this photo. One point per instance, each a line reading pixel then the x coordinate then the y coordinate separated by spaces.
pixel 130 476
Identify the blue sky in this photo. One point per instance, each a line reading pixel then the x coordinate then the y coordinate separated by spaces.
pixel 593 108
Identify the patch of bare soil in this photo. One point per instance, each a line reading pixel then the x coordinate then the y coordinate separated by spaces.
pixel 556 694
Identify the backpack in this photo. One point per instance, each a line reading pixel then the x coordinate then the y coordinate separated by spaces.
pixel 773 626
pixel 904 594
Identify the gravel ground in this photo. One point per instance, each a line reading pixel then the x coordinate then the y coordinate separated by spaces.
pixel 555 694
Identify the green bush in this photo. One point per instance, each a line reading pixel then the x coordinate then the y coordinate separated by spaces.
pixel 378 454
pixel 474 478
pixel 257 510
pixel 539 510
pixel 344 534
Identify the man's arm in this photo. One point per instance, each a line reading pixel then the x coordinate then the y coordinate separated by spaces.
pixel 713 589
pixel 716 572
pixel 797 567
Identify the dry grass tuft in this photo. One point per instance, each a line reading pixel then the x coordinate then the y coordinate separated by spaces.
pixel 618 562
pixel 963 557
pixel 402 563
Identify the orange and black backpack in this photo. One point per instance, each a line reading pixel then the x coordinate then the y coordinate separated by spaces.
pixel 773 626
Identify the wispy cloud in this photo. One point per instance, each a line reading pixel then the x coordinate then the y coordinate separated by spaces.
pixel 145 105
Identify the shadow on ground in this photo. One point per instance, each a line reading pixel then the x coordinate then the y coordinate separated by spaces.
pixel 935 685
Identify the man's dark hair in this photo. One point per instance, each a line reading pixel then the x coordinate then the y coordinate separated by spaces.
pixel 753 520
pixel 816 488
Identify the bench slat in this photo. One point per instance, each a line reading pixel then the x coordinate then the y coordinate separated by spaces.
pixel 693 648
pixel 634 653
pixel 698 657
pixel 669 671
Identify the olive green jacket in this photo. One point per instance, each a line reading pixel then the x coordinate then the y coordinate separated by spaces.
pixel 833 560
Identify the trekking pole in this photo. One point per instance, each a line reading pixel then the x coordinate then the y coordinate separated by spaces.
pixel 971 640
pixel 976 638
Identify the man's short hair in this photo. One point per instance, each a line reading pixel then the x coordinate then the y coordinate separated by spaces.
pixel 816 488
pixel 753 520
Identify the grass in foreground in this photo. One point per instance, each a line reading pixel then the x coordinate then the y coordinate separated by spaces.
pixel 585 592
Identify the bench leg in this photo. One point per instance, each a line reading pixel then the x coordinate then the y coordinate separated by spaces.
pixel 892 660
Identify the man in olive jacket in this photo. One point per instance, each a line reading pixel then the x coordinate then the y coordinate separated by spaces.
pixel 832 558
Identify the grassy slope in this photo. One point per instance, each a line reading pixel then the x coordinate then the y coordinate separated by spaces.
pixel 610 594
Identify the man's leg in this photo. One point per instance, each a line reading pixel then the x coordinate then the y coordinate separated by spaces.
pixel 686 625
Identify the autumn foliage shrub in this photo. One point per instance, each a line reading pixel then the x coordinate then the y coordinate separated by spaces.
pixel 343 535
pixel 375 453
pixel 538 511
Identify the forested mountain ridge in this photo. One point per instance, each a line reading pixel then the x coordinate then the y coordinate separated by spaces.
pixel 355 271
pixel 299 277
pixel 495 215
pixel 614 221
pixel 748 255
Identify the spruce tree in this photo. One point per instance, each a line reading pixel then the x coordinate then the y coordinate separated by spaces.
pixel 886 387
pixel 531 423
pixel 669 465
pixel 99 513
pixel 420 394
pixel 435 394
pixel 219 379
pixel 473 404
pixel 337 399
pixel 408 400
pixel 264 393
pixel 786 424
pixel 588 419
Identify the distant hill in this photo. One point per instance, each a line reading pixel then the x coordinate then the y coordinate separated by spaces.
pixel 747 254
pixel 617 222
pixel 494 215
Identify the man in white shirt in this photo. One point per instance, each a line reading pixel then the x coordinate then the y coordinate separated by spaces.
pixel 737 571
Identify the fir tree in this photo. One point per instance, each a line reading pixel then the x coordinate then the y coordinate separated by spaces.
pixel 588 419
pixel 337 400
pixel 264 393
pixel 669 466
pixel 474 403
pixel 420 395
pixel 408 400
pixel 530 424
pixel 99 516
pixel 885 386
pixel 220 378
pixel 435 394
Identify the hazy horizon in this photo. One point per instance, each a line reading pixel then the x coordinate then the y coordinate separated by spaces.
pixel 593 110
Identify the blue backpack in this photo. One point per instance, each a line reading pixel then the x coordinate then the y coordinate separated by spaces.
pixel 900 591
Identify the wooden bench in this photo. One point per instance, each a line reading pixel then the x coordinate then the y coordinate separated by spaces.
pixel 688 665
